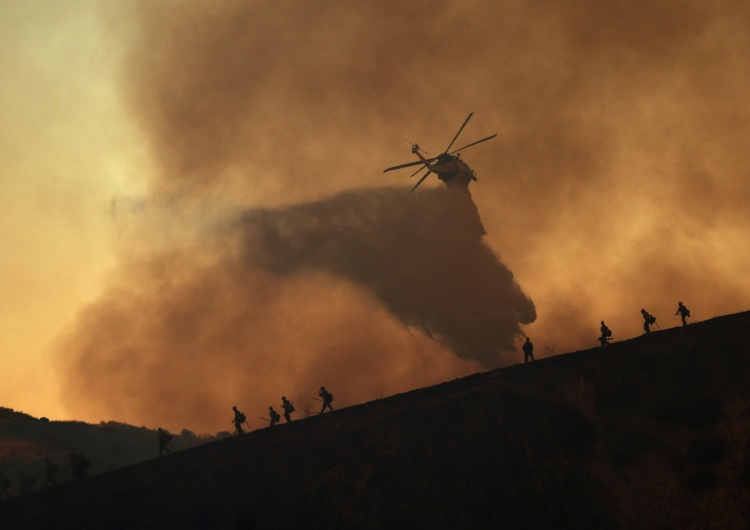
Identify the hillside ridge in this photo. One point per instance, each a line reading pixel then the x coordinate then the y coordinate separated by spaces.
pixel 650 432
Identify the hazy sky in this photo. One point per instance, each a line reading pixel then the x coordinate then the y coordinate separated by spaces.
pixel 146 144
pixel 67 149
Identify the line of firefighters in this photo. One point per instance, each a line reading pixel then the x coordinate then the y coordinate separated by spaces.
pixel 79 463
pixel 606 333
pixel 648 321
pixel 240 419
pixel 287 406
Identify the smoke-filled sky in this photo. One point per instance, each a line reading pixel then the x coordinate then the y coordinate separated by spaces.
pixel 195 214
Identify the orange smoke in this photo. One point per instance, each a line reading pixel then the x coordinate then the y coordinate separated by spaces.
pixel 281 301
pixel 618 181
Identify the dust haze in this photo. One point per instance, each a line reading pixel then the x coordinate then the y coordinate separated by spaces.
pixel 618 181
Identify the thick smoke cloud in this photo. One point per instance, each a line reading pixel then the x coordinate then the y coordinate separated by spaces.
pixel 421 255
pixel 618 180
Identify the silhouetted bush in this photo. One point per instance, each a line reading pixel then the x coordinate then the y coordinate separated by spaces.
pixel 188 435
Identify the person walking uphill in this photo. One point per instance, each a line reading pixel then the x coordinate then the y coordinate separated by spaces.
pixel 4 486
pixel 606 334
pixel 288 408
pixel 648 320
pixel 50 470
pixel 274 416
pixel 239 419
pixel 528 350
pixel 684 312
pixel 79 466
pixel 164 438
pixel 327 397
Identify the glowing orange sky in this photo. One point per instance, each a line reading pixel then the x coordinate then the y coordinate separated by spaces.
pixel 618 180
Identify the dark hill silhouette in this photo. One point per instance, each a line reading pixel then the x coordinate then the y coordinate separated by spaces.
pixel 25 443
pixel 650 432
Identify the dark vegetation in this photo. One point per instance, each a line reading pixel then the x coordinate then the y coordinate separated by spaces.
pixel 25 443
pixel 647 433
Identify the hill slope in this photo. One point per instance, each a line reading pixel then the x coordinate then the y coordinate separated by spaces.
pixel 647 433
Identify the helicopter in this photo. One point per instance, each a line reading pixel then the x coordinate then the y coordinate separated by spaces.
pixel 448 165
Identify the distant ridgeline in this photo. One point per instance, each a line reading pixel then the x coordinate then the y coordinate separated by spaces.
pixel 26 442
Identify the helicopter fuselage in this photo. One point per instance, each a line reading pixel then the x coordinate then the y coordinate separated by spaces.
pixel 450 169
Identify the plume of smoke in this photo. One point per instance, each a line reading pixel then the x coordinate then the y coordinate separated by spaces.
pixel 421 255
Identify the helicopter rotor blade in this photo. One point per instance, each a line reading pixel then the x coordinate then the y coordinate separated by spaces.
pixel 473 143
pixel 417 171
pixel 420 181
pixel 408 164
pixel 459 132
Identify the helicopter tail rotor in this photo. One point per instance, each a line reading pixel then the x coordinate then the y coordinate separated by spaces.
pixel 416 147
